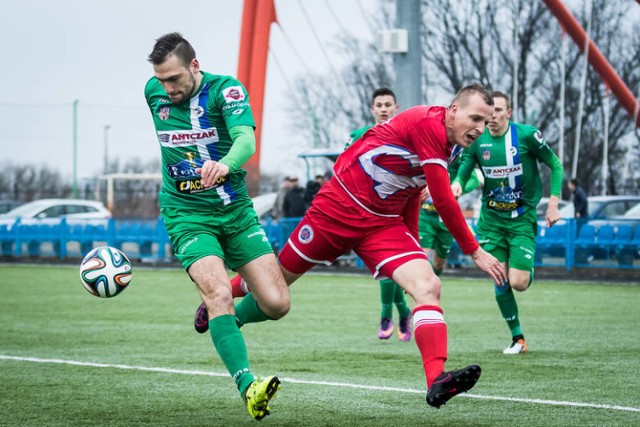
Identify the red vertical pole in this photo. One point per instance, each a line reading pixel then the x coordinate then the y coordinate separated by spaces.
pixel 246 41
pixel 596 59
pixel 257 17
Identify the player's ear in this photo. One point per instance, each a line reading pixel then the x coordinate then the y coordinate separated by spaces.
pixel 453 109
pixel 194 66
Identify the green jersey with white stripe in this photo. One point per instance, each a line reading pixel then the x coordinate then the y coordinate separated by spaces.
pixel 194 131
pixel 428 209
pixel 509 162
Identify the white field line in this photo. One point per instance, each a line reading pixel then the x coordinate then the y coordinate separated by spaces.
pixel 319 383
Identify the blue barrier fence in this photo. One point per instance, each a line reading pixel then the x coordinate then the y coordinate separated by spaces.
pixel 138 238
pixel 568 244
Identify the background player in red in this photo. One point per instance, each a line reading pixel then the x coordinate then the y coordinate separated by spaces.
pixel 371 206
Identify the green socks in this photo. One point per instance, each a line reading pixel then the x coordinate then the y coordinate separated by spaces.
pixel 401 302
pixel 387 293
pixel 230 345
pixel 509 308
pixel 391 293
pixel 247 311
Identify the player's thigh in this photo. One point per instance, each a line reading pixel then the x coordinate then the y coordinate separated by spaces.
pixel 192 235
pixel 315 241
pixel 494 240
pixel 267 284
pixel 427 234
pixel 388 246
pixel 443 242
pixel 243 238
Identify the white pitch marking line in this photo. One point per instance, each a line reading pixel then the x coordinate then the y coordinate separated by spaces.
pixel 321 383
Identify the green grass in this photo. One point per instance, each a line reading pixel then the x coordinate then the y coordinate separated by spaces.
pixel 583 338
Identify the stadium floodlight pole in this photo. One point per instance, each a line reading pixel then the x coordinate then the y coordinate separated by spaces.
pixel 408 64
pixel 605 140
pixel 75 149
pixel 106 148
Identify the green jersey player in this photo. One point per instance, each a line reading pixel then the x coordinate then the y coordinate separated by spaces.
pixel 435 237
pixel 384 107
pixel 205 129
pixel 508 154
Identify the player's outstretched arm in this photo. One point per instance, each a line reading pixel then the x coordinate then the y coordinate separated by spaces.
pixel 490 265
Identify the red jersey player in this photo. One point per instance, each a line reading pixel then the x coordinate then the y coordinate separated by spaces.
pixel 371 206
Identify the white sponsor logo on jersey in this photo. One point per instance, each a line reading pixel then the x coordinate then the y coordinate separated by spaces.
pixel 502 171
pixel 233 94
pixel 181 138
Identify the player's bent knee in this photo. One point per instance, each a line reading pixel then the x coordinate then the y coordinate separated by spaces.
pixel 427 292
pixel 519 285
pixel 277 307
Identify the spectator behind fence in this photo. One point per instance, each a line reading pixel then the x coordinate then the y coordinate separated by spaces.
pixel 579 199
pixel 294 202
pixel 287 184
pixel 312 188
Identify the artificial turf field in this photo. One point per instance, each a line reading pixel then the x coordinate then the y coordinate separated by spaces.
pixel 70 359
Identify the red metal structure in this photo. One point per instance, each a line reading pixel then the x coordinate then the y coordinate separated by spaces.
pixel 596 59
pixel 257 17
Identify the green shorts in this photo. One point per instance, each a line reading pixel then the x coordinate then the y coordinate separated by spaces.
pixel 511 240
pixel 233 234
pixel 435 235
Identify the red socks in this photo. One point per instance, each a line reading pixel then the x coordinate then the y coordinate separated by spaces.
pixel 430 333
pixel 237 290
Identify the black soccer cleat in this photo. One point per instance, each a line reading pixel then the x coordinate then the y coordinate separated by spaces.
pixel 201 321
pixel 452 383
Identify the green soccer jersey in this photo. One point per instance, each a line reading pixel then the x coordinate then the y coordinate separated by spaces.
pixel 356 134
pixel 194 131
pixel 509 162
pixel 429 210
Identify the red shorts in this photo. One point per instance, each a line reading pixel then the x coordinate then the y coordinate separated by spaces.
pixel 335 224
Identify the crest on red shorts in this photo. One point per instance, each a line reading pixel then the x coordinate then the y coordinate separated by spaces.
pixel 305 235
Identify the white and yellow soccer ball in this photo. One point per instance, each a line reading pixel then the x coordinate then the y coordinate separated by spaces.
pixel 105 272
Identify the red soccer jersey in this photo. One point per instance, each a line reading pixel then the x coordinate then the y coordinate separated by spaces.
pixel 384 168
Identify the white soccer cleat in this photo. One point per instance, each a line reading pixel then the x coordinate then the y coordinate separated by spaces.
pixel 517 346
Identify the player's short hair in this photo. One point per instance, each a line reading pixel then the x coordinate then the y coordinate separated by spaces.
pixel 498 94
pixel 172 44
pixel 574 182
pixel 383 91
pixel 463 95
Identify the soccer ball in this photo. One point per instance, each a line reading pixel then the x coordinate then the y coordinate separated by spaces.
pixel 105 272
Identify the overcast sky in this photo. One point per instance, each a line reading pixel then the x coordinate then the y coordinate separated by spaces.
pixel 55 52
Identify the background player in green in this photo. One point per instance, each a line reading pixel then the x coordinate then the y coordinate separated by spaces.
pixel 384 106
pixel 435 237
pixel 205 128
pixel 508 154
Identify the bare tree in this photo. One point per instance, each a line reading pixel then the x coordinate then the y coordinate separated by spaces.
pixel 25 183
